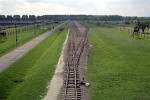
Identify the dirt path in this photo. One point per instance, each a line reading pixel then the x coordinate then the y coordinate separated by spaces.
pixel 11 57
pixel 57 80
pixel 83 64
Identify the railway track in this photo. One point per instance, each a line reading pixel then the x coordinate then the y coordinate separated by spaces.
pixel 76 44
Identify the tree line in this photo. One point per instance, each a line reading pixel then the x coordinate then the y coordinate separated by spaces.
pixel 70 17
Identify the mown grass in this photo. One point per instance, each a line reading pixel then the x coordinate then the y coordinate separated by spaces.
pixel 10 43
pixel 35 70
pixel 118 66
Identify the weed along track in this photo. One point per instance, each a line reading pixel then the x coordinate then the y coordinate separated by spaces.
pixel 77 41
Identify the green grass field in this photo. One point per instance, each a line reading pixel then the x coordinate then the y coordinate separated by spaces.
pixel 118 66
pixel 10 43
pixel 33 71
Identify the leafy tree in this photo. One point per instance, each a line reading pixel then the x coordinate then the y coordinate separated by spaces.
pixel 32 17
pixel 25 17
pixel 143 25
pixel 9 17
pixel 16 17
pixel 2 17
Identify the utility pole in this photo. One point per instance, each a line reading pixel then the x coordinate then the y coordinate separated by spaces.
pixel 34 28
pixel 16 34
pixel 43 24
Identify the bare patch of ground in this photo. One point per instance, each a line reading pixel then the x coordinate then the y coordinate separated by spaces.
pixel 57 80
pixel 82 72
pixel 83 64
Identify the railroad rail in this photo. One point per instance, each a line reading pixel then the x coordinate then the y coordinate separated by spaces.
pixel 76 44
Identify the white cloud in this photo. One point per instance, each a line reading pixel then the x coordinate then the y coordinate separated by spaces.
pixel 95 7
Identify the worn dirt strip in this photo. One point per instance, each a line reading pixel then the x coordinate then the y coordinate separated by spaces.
pixel 11 57
pixel 57 80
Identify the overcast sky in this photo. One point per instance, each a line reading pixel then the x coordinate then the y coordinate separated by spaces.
pixel 88 7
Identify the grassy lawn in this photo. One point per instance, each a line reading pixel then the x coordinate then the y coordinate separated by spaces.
pixel 33 71
pixel 10 43
pixel 118 66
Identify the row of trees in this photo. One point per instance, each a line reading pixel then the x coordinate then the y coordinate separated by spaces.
pixel 17 18
pixel 71 17
pixel 33 17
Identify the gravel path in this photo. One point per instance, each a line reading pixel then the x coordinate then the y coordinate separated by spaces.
pixel 11 57
pixel 56 83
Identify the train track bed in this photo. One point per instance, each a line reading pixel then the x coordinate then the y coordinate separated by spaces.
pixel 77 43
